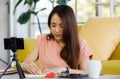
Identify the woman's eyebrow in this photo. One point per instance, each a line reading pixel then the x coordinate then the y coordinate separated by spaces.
pixel 61 24
pixel 53 23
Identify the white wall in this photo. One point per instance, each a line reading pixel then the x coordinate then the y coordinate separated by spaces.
pixel 10 28
pixel 3 31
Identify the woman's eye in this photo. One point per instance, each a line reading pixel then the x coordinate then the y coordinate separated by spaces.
pixel 53 25
pixel 61 26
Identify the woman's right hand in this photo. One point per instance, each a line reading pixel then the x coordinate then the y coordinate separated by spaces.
pixel 33 68
pixel 28 64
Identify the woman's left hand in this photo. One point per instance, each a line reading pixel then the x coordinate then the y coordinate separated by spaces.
pixel 55 70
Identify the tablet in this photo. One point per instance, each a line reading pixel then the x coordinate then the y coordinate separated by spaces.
pixel 73 76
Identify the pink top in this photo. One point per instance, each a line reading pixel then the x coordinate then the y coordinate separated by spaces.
pixel 49 52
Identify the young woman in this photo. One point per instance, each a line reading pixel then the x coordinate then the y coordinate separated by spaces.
pixel 60 50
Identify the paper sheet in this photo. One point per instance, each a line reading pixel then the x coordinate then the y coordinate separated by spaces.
pixel 32 75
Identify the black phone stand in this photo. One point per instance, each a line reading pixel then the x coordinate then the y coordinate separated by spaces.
pixel 19 69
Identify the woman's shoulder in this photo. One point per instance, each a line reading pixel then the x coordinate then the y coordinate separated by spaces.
pixel 82 40
pixel 41 39
pixel 43 36
pixel 83 43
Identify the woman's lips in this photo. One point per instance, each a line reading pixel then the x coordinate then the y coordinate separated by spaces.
pixel 57 35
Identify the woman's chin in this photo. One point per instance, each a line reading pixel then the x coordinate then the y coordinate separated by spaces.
pixel 58 39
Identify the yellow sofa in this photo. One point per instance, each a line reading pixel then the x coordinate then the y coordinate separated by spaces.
pixel 96 30
pixel 110 66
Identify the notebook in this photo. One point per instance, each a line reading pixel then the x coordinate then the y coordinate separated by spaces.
pixel 9 71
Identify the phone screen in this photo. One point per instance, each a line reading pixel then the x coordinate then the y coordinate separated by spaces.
pixel 11 43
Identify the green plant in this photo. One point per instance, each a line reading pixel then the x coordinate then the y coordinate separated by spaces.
pixel 25 16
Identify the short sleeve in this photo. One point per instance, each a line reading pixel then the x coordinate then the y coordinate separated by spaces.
pixel 41 39
pixel 85 50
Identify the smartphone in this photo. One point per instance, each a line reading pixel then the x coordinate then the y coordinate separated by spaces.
pixel 11 43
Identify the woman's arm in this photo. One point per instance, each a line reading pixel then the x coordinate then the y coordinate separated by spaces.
pixel 82 66
pixel 82 70
pixel 29 63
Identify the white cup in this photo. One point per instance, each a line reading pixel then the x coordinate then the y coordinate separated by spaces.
pixel 94 68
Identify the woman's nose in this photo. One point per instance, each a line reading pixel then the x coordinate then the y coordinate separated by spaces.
pixel 57 29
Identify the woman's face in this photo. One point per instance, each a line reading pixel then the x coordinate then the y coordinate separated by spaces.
pixel 56 27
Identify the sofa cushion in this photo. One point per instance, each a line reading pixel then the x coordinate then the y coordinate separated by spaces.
pixel 102 35
pixel 111 67
pixel 28 45
pixel 116 54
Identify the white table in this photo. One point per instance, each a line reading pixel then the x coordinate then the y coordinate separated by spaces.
pixel 16 76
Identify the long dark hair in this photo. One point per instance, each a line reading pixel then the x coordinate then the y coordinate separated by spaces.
pixel 70 52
